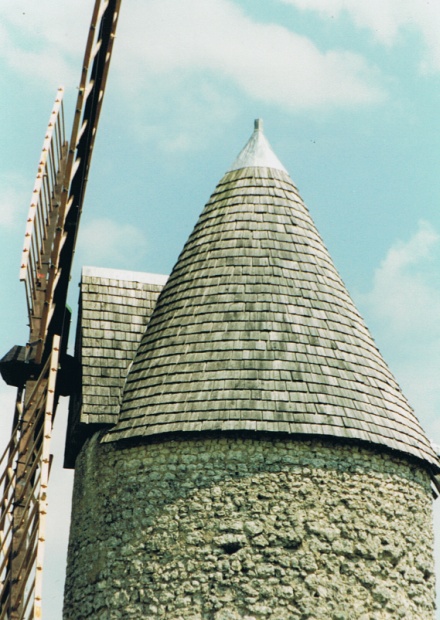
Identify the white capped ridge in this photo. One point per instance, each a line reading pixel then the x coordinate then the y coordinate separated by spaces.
pixel 257 153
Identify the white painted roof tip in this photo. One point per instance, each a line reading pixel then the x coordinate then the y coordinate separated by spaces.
pixel 257 153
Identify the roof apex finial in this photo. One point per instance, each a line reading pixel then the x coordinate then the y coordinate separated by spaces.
pixel 257 152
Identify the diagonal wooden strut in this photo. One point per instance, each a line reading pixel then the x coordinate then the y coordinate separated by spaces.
pixel 88 108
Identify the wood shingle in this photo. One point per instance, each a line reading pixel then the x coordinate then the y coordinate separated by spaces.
pixel 255 330
pixel 114 310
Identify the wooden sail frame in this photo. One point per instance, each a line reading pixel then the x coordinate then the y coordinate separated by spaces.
pixel 50 238
pixel 25 465
pixel 87 112
pixel 36 266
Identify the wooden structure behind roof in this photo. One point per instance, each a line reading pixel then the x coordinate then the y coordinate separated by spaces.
pixel 50 238
pixel 114 310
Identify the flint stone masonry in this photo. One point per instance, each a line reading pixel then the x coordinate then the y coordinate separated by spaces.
pixel 223 528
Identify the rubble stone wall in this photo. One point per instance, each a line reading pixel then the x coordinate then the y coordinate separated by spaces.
pixel 228 529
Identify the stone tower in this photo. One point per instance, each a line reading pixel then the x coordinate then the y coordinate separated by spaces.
pixel 260 460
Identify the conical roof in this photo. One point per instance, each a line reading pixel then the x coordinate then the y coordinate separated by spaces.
pixel 255 330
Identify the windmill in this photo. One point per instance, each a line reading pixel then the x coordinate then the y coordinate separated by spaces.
pixel 42 370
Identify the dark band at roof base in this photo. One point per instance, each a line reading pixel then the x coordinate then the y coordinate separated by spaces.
pixel 255 330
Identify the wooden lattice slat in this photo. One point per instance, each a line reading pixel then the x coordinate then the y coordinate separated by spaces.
pixel 36 267
pixel 50 238
pixel 25 467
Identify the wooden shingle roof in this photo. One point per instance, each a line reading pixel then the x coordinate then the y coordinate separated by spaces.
pixel 114 309
pixel 255 331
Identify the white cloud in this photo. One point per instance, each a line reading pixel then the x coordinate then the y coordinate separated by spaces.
pixel 176 39
pixel 15 197
pixel 387 20
pixel 185 64
pixel 404 293
pixel 106 243
pixel 403 309
pixel 180 39
pixel 8 208
pixel 44 41
pixel 202 111
pixel 62 24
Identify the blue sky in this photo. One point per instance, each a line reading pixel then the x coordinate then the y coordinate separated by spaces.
pixel 348 91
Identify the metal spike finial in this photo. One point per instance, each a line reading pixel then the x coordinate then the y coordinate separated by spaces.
pixel 257 152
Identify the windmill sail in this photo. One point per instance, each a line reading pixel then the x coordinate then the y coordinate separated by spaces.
pixel 36 269
pixel 37 369
pixel 87 112
pixel 25 465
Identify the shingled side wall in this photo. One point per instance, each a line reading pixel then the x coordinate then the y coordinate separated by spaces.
pixel 115 307
pixel 225 529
